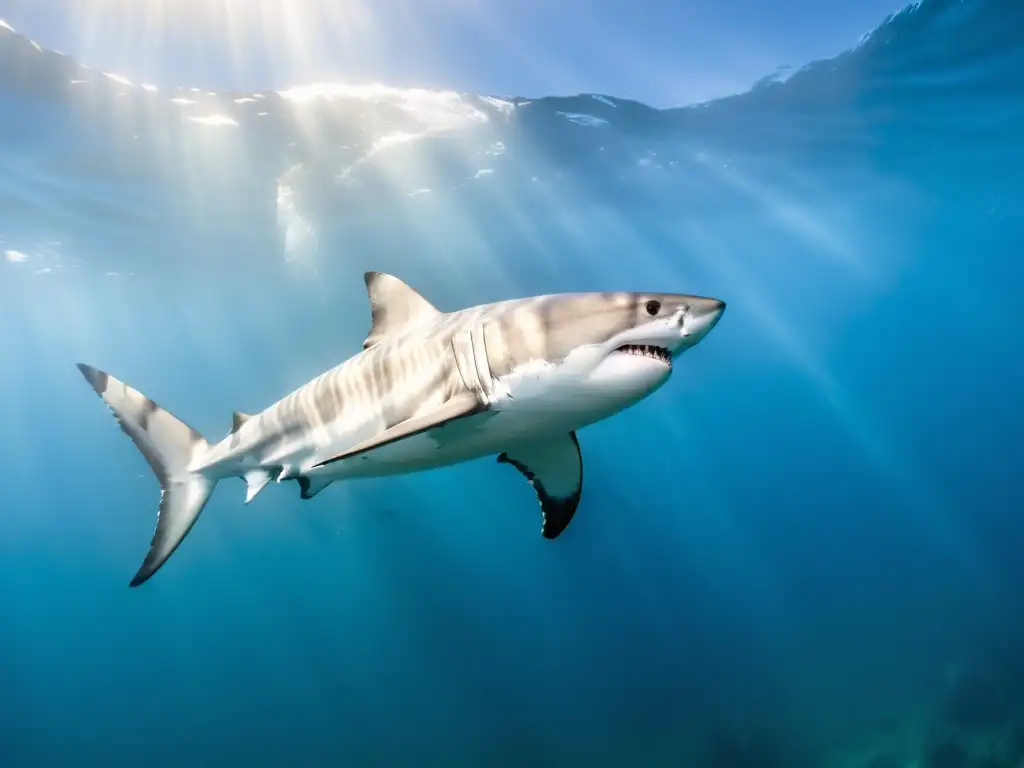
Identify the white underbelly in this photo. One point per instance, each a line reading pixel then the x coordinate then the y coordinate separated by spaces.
pixel 473 437
pixel 461 440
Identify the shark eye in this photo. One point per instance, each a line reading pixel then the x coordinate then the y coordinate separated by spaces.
pixel 653 307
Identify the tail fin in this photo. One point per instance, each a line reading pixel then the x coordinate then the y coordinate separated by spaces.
pixel 169 446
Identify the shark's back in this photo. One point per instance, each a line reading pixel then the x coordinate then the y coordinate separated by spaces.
pixel 380 386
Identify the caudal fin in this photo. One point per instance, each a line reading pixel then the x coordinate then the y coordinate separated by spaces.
pixel 169 446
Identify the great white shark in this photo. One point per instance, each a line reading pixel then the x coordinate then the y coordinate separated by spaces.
pixel 515 378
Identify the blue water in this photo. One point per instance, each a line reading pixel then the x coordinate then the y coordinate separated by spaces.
pixel 804 550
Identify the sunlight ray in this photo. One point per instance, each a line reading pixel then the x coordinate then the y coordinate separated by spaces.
pixel 927 503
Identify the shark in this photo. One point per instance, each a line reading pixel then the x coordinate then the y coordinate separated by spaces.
pixel 516 378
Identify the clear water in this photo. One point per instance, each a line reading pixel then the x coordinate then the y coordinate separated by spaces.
pixel 811 535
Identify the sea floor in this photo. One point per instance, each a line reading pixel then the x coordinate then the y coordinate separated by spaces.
pixel 974 720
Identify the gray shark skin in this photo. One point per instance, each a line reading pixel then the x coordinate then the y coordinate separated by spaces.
pixel 515 379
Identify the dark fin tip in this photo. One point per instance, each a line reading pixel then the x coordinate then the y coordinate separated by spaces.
pixel 303 487
pixel 556 512
pixel 146 571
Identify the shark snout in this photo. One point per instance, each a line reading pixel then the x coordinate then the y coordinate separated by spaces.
pixel 700 317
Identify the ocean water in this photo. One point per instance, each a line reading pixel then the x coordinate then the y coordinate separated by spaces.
pixel 804 550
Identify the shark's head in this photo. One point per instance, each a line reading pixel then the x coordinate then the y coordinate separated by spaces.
pixel 637 359
pixel 597 352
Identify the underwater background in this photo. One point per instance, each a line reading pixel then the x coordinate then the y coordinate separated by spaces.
pixel 804 550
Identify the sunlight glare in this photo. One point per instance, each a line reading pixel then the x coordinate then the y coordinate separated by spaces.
pixel 118 78
pixel 299 32
pixel 435 110
pixel 216 120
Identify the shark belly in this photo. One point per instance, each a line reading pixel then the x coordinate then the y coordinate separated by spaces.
pixel 473 437
pixel 506 423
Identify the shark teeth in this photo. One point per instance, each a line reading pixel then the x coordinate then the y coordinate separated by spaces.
pixel 648 350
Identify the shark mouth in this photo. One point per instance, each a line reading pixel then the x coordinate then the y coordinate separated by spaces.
pixel 648 350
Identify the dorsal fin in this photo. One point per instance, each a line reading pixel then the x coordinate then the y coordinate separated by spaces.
pixel 395 306
pixel 237 420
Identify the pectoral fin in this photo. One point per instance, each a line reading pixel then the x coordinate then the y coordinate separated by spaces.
pixel 555 469
pixel 460 406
